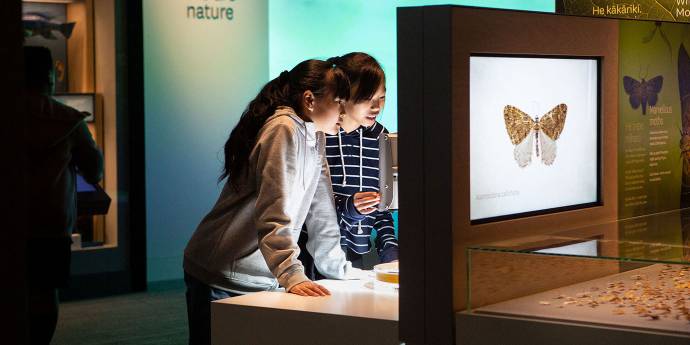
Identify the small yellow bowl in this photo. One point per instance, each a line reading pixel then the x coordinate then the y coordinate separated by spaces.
pixel 388 272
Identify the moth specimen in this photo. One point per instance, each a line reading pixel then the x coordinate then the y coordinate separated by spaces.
pixel 525 131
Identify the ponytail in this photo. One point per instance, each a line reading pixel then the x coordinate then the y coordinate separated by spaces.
pixel 243 136
pixel 318 76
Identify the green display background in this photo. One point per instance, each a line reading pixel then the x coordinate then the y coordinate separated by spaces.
pixel 644 53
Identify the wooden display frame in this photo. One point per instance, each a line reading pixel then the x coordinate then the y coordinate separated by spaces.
pixel 434 46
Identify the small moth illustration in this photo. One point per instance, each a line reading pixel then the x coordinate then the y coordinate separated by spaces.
pixel 524 131
pixel 643 92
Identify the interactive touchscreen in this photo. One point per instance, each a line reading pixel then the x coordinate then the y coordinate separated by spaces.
pixel 534 135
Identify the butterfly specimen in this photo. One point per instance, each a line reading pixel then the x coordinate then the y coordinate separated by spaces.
pixel 644 92
pixel 523 131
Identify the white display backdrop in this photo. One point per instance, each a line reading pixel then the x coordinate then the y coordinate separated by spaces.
pixel 498 185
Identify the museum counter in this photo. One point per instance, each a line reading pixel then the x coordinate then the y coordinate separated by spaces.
pixel 357 312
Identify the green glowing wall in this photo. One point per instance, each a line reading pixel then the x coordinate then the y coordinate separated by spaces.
pixel 302 29
pixel 199 75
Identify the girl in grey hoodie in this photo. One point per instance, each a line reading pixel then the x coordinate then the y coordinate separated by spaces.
pixel 277 181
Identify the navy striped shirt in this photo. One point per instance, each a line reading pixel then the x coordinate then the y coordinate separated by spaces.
pixel 353 159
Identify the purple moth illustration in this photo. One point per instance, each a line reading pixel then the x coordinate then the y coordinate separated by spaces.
pixel 643 92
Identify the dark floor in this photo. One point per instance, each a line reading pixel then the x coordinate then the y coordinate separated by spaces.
pixel 158 317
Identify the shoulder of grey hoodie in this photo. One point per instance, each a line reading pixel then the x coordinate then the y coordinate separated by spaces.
pixel 220 229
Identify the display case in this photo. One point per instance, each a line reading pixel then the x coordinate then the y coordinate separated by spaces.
pixel 85 80
pixel 630 276
pixel 96 60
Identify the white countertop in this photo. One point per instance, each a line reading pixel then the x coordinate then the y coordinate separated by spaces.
pixel 355 298
pixel 354 313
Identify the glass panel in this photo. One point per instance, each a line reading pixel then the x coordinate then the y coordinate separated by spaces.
pixel 657 238
pixel 631 273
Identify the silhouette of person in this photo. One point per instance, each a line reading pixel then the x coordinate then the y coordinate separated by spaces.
pixel 59 145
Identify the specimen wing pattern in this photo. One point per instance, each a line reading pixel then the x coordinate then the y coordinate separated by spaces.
pixel 523 151
pixel 548 148
pixel 553 122
pixel 518 124
pixel 522 130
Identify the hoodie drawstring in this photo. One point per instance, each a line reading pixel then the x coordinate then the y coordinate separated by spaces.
pixel 304 160
pixel 304 156
pixel 361 164
pixel 342 160
pixel 361 177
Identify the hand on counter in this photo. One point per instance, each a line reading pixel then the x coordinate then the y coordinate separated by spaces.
pixel 309 288
pixel 366 202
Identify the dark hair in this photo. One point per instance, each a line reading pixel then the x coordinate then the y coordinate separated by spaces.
pixel 38 63
pixel 364 72
pixel 320 77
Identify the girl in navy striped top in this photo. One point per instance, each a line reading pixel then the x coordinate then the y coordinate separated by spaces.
pixel 353 159
pixel 352 151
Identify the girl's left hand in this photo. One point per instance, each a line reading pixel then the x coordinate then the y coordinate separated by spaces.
pixel 309 288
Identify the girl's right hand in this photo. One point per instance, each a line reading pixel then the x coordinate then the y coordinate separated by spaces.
pixel 366 202
pixel 309 288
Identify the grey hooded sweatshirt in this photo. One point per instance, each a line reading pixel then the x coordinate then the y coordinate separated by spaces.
pixel 248 241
